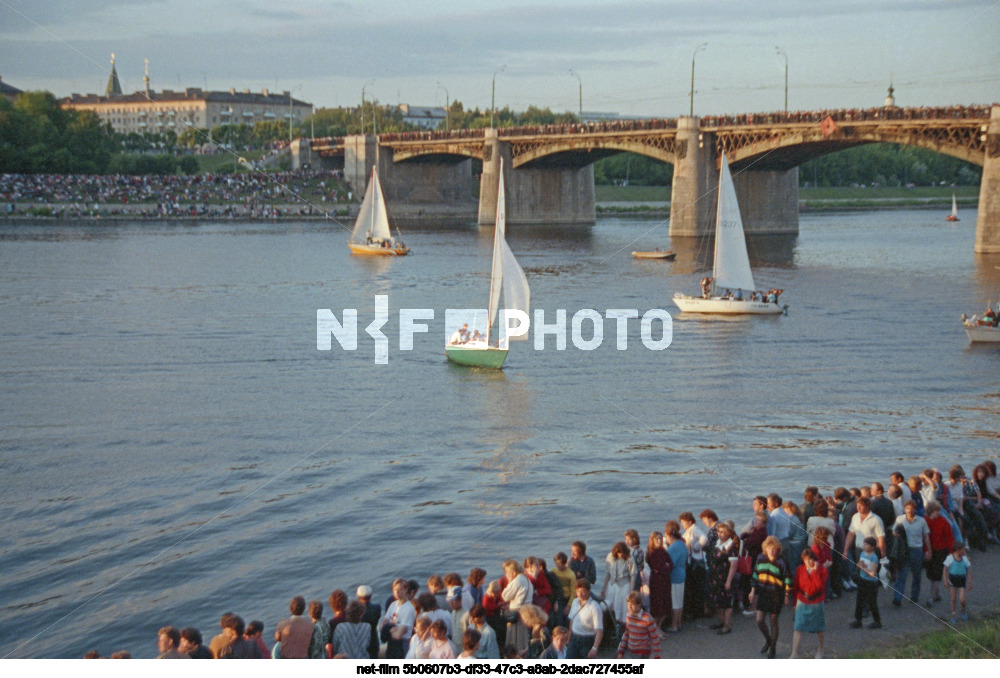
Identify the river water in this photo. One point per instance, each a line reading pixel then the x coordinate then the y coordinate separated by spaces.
pixel 175 446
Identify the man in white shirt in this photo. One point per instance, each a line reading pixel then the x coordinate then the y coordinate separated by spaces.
pixel 398 621
pixel 866 524
pixel 586 624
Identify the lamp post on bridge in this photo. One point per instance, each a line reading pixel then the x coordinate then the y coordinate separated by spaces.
pixel 299 86
pixel 572 72
pixel 697 49
pixel 447 108
pixel 494 93
pixel 782 53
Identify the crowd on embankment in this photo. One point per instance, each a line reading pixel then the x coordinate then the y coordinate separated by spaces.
pixel 788 556
pixel 251 194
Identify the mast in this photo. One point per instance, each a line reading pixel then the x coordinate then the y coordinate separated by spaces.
pixel 496 267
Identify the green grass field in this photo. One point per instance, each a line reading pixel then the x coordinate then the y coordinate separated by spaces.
pixel 978 640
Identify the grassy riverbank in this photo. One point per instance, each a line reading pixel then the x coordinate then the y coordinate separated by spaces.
pixel 642 199
pixel 977 640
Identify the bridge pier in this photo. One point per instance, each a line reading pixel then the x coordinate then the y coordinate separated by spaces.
pixel 428 181
pixel 360 151
pixel 769 199
pixel 988 217
pixel 301 154
pixel 489 180
pixel 538 195
pixel 695 183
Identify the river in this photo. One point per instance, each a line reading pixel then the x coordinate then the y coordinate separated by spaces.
pixel 175 446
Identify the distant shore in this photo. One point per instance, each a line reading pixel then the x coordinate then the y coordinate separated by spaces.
pixel 401 215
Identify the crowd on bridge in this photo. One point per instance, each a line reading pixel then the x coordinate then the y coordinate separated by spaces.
pixel 244 194
pixel 646 124
pixel 788 555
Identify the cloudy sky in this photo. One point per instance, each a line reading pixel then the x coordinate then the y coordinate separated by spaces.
pixel 633 57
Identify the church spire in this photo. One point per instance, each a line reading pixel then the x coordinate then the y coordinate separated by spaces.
pixel 114 87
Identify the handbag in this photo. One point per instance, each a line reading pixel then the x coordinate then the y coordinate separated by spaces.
pixel 744 564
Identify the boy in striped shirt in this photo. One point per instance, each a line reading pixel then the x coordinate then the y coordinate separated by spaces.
pixel 641 639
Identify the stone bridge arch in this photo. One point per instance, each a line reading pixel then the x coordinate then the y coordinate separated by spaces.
pixel 782 148
pixel 580 150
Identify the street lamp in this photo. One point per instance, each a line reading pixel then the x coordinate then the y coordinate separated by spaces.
pixel 494 93
pixel 782 53
pixel 447 108
pixel 292 89
pixel 363 105
pixel 572 72
pixel 697 49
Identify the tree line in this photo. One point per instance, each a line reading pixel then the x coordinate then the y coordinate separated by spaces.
pixel 38 136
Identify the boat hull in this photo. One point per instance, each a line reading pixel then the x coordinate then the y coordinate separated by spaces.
pixel 950 218
pixel 378 250
pixel 477 356
pixel 982 334
pixel 717 305
pixel 654 255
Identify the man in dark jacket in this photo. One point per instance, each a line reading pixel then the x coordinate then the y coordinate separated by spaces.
pixel 373 613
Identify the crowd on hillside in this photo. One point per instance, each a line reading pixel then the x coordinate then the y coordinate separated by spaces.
pixel 252 194
pixel 788 555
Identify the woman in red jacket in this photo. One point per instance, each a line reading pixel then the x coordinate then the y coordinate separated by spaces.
pixel 809 589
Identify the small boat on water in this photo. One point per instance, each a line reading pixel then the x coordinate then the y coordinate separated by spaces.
pixel 506 276
pixel 731 265
pixel 954 209
pixel 981 331
pixel 371 234
pixel 656 254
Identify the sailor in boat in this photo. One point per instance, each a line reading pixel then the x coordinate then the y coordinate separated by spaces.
pixel 706 287
pixel 461 335
pixel 989 318
pixel 738 296
pixel 368 239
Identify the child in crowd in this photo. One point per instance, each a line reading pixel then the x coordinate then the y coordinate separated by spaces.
pixel 868 585
pixel 470 644
pixel 959 579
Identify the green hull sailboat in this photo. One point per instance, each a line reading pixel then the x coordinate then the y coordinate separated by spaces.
pixel 491 357
pixel 506 276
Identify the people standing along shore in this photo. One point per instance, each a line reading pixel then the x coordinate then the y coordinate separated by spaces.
pixel 774 585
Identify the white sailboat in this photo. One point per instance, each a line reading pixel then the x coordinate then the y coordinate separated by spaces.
pixel 506 276
pixel 371 233
pixel 981 331
pixel 954 209
pixel 731 265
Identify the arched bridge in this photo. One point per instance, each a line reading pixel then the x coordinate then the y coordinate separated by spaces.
pixel 553 163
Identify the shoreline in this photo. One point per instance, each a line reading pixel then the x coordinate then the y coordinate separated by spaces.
pixel 405 215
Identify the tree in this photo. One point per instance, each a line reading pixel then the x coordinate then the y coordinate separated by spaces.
pixel 36 135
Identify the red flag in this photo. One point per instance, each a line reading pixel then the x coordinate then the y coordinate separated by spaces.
pixel 828 126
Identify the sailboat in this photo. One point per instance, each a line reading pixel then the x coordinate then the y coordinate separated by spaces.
pixel 371 233
pixel 506 276
pixel 731 266
pixel 954 209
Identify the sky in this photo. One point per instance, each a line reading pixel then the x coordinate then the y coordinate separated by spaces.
pixel 630 57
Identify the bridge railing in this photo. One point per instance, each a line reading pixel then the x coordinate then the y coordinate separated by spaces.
pixel 842 115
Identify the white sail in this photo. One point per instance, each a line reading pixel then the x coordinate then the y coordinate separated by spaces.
pixel 731 267
pixel 954 205
pixel 496 268
pixel 516 294
pixel 373 219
